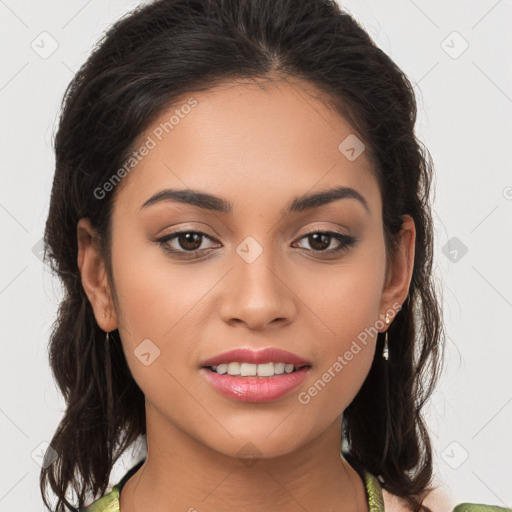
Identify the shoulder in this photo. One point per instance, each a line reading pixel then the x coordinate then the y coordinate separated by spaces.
pixel 436 501
pixel 393 503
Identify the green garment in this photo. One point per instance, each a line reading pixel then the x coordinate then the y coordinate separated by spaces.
pixel 110 502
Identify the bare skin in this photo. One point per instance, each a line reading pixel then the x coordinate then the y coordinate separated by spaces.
pixel 258 148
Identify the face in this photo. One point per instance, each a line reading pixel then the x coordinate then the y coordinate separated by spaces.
pixel 253 274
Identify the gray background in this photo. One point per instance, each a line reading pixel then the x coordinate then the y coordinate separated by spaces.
pixel 465 105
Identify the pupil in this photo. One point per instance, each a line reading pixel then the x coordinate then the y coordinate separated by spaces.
pixel 189 239
pixel 322 236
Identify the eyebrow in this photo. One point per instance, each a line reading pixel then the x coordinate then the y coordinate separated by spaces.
pixel 218 204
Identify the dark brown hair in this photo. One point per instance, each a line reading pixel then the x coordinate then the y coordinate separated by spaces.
pixel 146 61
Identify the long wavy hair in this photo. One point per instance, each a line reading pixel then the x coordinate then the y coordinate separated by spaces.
pixel 148 60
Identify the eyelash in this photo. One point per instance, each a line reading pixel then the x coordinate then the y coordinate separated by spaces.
pixel 346 241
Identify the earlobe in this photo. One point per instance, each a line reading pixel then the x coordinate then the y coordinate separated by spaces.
pixel 93 275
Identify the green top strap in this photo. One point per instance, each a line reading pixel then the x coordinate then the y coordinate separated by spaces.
pixel 107 503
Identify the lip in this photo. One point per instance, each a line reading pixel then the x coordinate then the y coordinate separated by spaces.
pixel 255 389
pixel 246 355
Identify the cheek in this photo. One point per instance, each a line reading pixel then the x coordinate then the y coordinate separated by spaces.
pixel 158 313
pixel 346 308
pixel 345 299
pixel 154 292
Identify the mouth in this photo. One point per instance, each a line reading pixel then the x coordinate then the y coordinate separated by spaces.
pixel 246 375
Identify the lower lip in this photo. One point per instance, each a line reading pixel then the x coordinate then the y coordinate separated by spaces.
pixel 256 389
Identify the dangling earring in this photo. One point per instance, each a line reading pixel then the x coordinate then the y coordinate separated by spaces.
pixel 385 351
pixel 108 374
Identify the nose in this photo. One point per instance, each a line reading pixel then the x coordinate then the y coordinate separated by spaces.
pixel 258 294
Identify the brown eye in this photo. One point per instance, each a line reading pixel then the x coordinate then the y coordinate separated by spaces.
pixel 186 242
pixel 319 241
pixel 189 241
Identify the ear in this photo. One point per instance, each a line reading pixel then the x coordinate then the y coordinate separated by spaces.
pixel 94 276
pixel 399 272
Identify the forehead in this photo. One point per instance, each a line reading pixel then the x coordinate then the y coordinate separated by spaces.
pixel 277 137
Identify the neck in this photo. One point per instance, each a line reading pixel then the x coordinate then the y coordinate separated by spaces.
pixel 181 473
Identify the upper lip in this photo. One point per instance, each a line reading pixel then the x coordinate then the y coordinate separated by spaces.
pixel 246 355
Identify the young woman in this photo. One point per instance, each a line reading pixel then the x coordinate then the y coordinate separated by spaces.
pixel 240 217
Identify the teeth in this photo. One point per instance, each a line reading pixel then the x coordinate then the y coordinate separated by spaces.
pixel 265 370
pixel 222 368
pixel 234 369
pixel 279 368
pixel 247 370
pixel 251 370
